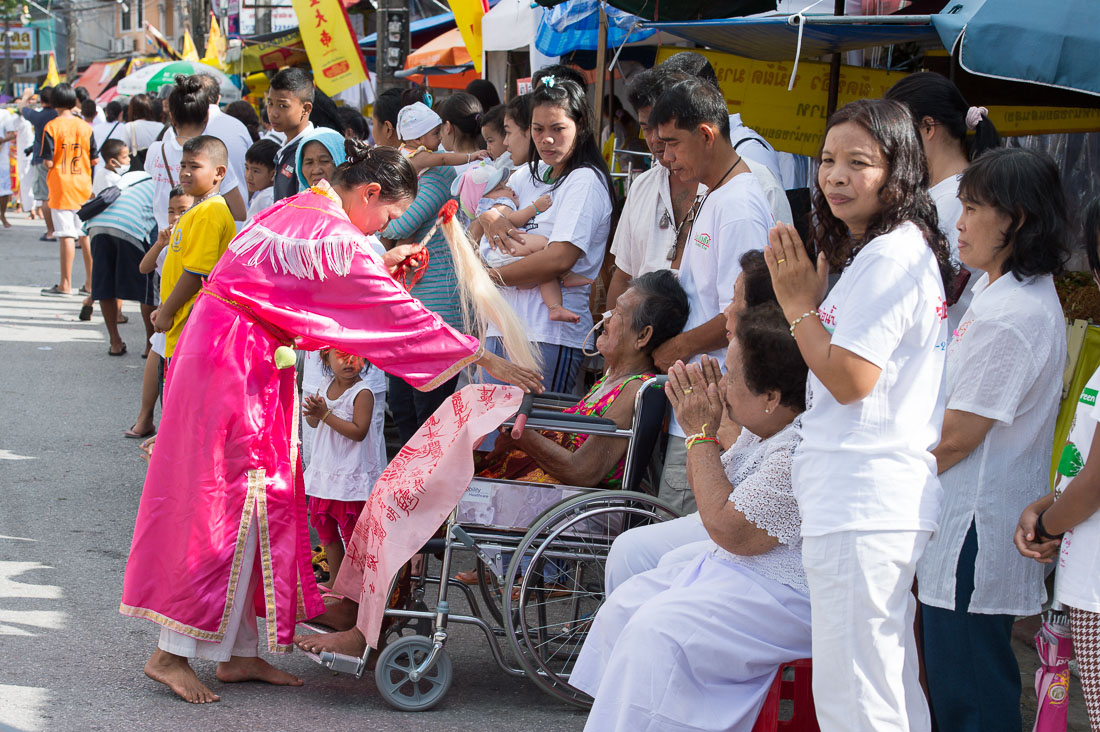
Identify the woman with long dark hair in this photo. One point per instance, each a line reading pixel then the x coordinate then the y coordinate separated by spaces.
pixel 461 131
pixel 564 161
pixel 953 134
pixel 864 474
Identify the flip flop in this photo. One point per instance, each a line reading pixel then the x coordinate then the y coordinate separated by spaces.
pixel 123 319
pixel 116 353
pixel 131 435
pixel 47 237
pixel 86 314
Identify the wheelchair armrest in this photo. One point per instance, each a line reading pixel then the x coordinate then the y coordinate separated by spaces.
pixel 555 400
pixel 546 419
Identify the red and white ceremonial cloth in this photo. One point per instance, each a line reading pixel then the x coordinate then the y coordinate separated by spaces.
pixel 415 494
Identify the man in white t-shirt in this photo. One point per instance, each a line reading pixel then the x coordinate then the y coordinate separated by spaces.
pixel 229 130
pixel 733 217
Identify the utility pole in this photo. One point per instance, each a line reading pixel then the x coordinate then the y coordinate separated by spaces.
pixel 70 39
pixel 392 42
pixel 7 52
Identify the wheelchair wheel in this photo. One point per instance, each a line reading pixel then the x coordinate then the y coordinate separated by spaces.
pixel 490 592
pixel 559 565
pixel 395 664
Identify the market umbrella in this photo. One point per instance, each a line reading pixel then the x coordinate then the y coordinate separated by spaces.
pixel 1053 44
pixel 1055 646
pixel 149 79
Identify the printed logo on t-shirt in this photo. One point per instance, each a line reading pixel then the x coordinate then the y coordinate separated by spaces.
pixel 702 241
pixel 1088 396
pixel 177 239
pixel 287 171
pixel 941 309
pixel 828 318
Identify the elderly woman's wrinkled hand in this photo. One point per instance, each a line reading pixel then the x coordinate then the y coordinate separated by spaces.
pixel 799 282
pixel 693 392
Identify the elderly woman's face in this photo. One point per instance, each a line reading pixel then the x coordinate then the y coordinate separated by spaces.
pixel 742 406
pixel 618 330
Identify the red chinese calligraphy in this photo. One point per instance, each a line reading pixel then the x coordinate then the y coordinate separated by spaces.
pixel 321 19
pixel 391 514
pixel 405 499
pixel 326 39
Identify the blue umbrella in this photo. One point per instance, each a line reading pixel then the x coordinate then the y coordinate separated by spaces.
pixel 1050 43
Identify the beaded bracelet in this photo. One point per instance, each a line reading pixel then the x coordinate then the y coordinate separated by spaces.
pixel 796 321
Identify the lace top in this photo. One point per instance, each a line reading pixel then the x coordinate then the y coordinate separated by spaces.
pixel 760 471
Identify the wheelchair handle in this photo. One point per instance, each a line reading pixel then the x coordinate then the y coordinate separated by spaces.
pixel 522 415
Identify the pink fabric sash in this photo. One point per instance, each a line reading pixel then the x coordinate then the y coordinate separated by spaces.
pixel 415 494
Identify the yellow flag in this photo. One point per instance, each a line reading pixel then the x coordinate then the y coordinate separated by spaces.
pixel 330 44
pixel 190 53
pixel 215 44
pixel 52 77
pixel 468 15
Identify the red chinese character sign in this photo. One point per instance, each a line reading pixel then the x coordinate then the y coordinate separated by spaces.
pixel 331 45
pixel 416 493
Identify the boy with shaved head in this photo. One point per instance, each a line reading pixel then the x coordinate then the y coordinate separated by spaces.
pixel 199 238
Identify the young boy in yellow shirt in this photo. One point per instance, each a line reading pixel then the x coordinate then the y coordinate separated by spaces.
pixel 199 238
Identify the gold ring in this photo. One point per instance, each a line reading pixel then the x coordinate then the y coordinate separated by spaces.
pixel 689 390
pixel 780 261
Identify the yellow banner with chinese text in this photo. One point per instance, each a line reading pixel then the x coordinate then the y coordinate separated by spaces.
pixel 331 45
pixel 794 121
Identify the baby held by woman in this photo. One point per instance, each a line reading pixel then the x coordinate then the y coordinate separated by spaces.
pixel 484 186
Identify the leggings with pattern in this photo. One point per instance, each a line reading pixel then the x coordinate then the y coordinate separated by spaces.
pixel 1086 647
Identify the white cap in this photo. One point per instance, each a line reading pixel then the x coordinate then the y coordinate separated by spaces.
pixel 415 120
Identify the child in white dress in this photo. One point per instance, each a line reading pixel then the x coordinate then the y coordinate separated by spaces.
pixel 344 464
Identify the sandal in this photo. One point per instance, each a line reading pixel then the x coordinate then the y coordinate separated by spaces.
pixel 122 319
pixel 85 291
pixel 86 314
pixel 130 434
pixel 116 353
pixel 55 291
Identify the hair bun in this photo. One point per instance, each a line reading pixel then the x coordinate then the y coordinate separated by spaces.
pixel 356 150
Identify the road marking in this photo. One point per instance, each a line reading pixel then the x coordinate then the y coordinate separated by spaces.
pixel 24 706
pixel 9 455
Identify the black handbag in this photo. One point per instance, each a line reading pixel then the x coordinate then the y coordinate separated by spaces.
pixel 99 203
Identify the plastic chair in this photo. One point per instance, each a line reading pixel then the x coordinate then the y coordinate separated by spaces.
pixel 799 691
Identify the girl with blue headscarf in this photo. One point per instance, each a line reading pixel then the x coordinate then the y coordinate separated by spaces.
pixel 318 156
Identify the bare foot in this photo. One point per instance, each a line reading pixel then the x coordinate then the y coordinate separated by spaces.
pixel 174 672
pixel 243 668
pixel 349 642
pixel 339 615
pixel 6 224
pixel 560 314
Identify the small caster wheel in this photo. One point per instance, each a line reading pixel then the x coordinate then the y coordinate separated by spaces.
pixel 398 660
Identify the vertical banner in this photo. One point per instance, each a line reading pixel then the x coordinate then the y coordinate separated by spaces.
pixel 468 15
pixel 330 44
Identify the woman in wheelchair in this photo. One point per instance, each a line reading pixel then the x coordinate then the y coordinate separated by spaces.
pixel 651 311
pixel 694 644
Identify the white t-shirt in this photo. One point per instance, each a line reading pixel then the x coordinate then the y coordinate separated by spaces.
pixel 580 215
pixel 734 219
pixel 1004 363
pixel 753 150
pixel 237 139
pixel 773 191
pixel 647 229
pixel 165 171
pixel 945 195
pixel 867 466
pixel 261 199
pixel 139 134
pixel 1077 580
pixel 103 178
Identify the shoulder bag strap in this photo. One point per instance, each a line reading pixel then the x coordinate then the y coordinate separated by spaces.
pixel 167 169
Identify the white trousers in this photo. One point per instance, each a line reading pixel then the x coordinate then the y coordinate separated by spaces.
pixel 866 675
pixel 241 637
pixel 642 549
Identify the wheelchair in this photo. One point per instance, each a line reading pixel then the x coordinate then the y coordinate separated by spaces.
pixel 540 551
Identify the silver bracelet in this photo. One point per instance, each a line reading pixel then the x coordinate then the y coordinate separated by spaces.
pixel 796 321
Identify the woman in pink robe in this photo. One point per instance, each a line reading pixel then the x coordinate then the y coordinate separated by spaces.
pixel 224 482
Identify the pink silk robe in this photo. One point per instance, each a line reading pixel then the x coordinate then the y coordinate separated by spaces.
pixel 226 453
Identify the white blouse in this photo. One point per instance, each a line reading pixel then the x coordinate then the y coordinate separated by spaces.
pixel 1005 363
pixel 760 471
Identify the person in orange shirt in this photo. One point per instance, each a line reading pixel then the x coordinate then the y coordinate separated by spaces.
pixel 68 150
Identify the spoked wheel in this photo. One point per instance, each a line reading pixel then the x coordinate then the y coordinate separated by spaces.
pixel 395 665
pixel 490 591
pixel 560 568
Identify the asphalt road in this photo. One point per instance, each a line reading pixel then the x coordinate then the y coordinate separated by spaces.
pixel 69 489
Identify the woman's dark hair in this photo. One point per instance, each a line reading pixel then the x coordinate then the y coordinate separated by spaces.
pixel 112 110
pixel 928 94
pixel 1091 234
pixel 142 107
pixel 246 113
pixel 62 96
pixel 561 72
pixel 494 119
pixel 353 120
pixel 1025 186
pixel 770 358
pixel 325 113
pixel 463 111
pixel 756 281
pixel 570 98
pixel 187 102
pixel 485 92
pixel 519 109
pixel 387 105
pixel 664 306
pixel 904 195
pixel 379 164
